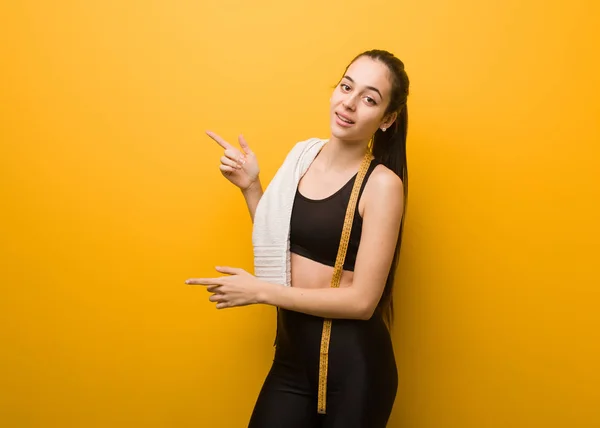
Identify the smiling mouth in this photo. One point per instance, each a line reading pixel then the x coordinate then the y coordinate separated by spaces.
pixel 343 119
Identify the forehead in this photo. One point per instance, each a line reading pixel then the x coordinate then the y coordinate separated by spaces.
pixel 366 71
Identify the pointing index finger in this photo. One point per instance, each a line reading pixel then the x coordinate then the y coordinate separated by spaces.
pixel 220 141
pixel 203 281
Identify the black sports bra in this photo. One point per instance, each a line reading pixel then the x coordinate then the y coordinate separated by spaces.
pixel 316 225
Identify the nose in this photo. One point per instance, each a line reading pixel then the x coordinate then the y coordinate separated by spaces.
pixel 349 102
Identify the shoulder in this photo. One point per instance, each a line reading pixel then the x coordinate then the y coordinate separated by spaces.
pixel 384 180
pixel 304 149
pixel 307 144
pixel 384 187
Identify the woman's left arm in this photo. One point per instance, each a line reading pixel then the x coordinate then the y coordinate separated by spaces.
pixel 382 215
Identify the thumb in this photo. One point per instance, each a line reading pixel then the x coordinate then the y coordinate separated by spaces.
pixel 244 145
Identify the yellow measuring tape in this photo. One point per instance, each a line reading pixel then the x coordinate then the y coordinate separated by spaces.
pixel 335 281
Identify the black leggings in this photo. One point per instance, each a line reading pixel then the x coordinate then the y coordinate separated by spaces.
pixel 362 379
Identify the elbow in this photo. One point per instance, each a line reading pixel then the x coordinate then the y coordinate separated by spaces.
pixel 363 307
pixel 365 312
pixel 366 315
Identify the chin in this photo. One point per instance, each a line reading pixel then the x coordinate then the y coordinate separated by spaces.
pixel 344 134
pixel 340 134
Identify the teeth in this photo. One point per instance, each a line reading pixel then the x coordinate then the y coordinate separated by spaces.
pixel 345 120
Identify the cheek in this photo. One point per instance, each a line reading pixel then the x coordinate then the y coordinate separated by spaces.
pixel 371 117
pixel 335 99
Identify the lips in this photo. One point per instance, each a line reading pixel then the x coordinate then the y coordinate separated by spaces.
pixel 344 119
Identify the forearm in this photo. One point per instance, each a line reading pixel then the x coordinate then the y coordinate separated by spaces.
pixel 252 195
pixel 344 302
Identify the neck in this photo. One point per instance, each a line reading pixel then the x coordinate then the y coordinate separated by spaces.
pixel 342 155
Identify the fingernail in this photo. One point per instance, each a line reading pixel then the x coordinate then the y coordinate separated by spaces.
pixel 187 281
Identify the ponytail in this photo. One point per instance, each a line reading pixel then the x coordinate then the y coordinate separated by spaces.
pixel 389 148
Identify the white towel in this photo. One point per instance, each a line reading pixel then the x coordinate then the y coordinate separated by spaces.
pixel 271 230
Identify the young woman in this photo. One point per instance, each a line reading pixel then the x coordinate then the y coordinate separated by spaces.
pixel 368 116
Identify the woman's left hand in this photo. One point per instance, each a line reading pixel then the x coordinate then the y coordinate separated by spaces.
pixel 238 289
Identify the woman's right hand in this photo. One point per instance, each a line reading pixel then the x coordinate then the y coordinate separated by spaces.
pixel 241 168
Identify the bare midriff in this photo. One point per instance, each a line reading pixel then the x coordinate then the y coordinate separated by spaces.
pixel 307 273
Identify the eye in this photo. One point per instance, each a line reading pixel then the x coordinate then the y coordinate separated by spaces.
pixel 371 101
pixel 344 87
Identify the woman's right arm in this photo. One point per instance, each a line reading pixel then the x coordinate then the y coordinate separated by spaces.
pixel 252 195
pixel 241 169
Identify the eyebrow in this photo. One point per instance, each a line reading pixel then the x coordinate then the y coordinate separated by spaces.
pixel 368 87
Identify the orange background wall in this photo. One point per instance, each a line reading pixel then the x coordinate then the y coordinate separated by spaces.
pixel 111 197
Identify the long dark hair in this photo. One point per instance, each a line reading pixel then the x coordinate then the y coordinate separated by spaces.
pixel 389 148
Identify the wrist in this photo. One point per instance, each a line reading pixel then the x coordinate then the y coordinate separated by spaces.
pixel 253 186
pixel 265 292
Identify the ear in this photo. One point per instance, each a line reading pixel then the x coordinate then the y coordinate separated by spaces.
pixel 388 121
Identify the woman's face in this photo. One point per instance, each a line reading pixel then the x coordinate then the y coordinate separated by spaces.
pixel 359 102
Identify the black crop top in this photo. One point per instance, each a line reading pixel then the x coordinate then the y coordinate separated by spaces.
pixel 316 225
